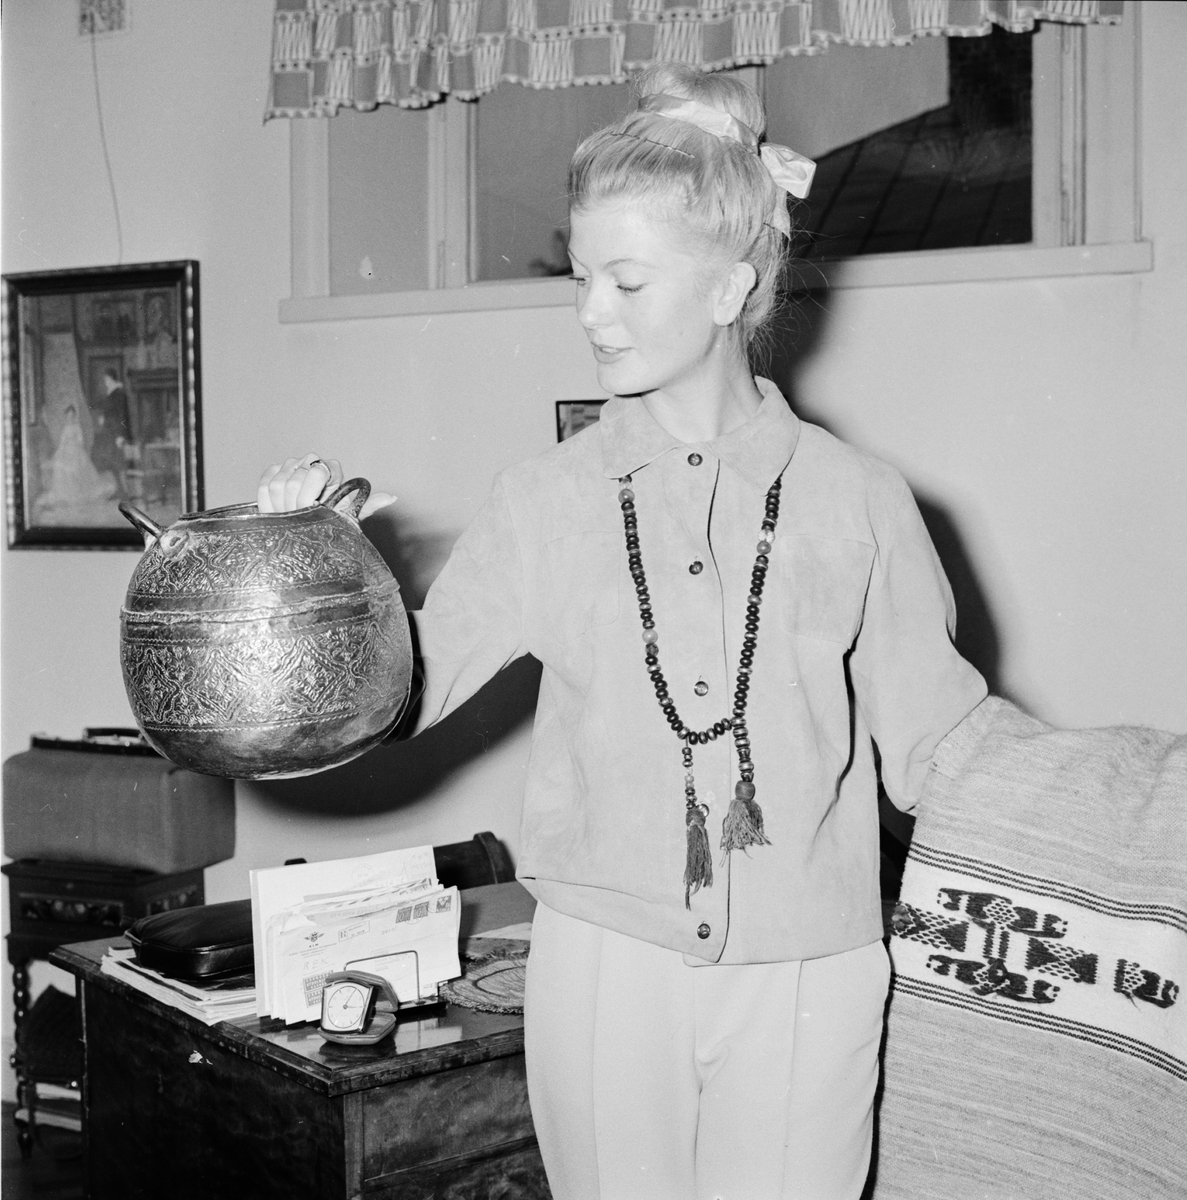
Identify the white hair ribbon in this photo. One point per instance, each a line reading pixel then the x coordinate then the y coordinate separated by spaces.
pixel 791 172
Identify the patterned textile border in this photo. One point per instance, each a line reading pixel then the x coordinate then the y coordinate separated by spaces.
pixel 1037 885
pixel 1038 953
pixel 332 54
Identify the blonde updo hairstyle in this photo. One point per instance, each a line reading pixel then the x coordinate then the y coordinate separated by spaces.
pixel 713 189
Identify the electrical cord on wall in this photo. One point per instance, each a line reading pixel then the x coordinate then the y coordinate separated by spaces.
pixel 119 232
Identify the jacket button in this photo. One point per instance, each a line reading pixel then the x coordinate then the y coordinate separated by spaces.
pixel 694 459
pixel 703 931
pixel 696 567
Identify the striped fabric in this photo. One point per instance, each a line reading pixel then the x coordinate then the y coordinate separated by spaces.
pixel 332 54
pixel 1037 1038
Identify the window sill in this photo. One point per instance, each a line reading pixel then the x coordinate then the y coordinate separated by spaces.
pixel 980 264
pixel 474 297
pixel 973 265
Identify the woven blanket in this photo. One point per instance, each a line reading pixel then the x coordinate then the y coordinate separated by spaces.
pixel 1037 1034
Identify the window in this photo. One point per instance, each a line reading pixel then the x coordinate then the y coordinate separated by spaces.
pixel 933 153
pixel 992 157
pixel 522 206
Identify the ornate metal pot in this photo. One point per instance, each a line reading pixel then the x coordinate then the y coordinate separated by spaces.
pixel 264 645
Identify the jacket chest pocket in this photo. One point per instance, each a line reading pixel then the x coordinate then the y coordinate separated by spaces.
pixel 580 575
pixel 823 584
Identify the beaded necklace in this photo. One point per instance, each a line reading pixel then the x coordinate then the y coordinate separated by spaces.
pixel 743 825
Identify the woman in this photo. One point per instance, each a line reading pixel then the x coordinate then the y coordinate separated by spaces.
pixel 707 977
pixel 75 481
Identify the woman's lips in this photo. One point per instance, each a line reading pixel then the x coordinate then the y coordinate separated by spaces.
pixel 607 354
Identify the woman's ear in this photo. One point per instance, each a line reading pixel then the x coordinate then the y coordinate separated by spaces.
pixel 732 289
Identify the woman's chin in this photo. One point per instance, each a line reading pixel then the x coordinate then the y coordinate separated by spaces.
pixel 615 380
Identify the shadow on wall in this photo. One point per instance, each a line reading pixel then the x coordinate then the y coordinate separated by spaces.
pixel 398 775
pixel 801 333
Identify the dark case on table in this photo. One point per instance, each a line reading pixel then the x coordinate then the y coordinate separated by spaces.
pixel 209 942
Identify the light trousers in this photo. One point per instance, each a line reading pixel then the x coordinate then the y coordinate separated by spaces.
pixel 653 1080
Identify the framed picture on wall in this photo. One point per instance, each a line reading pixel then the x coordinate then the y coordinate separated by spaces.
pixel 101 402
pixel 572 416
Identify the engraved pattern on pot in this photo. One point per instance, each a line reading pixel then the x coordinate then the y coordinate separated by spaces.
pixel 329 670
pixel 268 559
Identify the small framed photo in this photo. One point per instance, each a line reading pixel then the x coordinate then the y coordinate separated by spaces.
pixel 101 402
pixel 572 416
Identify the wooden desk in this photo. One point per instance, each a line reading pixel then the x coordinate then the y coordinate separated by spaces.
pixel 251 1110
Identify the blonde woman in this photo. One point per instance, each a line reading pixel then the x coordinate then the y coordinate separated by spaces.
pixel 732 609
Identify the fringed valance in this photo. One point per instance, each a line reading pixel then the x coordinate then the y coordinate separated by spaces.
pixel 332 54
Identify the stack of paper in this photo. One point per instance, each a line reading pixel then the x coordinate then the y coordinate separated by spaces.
pixel 383 913
pixel 211 1002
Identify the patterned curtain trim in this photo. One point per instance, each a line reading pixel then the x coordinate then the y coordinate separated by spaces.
pixel 332 54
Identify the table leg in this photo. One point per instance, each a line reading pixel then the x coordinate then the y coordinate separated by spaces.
pixel 24 1097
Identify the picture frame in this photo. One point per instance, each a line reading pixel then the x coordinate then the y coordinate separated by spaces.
pixel 572 416
pixel 102 402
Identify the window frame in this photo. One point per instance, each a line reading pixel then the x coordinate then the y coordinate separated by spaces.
pixel 1086 198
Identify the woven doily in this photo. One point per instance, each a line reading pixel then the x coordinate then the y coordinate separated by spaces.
pixel 491 984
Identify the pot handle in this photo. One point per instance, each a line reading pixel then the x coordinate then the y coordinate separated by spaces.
pixel 147 526
pixel 362 490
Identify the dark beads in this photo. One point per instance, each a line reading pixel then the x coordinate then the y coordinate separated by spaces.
pixel 735 723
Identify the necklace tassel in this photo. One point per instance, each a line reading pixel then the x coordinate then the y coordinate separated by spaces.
pixel 698 862
pixel 742 826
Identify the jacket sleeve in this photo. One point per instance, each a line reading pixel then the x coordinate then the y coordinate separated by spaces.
pixel 471 625
pixel 910 685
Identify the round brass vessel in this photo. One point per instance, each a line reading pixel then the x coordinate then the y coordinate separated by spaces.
pixel 264 645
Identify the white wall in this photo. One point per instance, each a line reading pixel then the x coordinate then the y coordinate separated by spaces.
pixel 1045 418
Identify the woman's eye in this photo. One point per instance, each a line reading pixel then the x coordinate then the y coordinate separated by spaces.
pixel 580 280
pixel 630 291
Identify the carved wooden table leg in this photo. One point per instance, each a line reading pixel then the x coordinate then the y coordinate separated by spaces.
pixel 20 1006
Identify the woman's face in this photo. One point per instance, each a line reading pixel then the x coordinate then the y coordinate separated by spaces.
pixel 646 297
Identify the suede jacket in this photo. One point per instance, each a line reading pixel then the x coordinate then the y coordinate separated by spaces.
pixel 854 650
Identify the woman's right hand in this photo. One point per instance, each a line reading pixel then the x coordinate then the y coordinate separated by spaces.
pixel 300 482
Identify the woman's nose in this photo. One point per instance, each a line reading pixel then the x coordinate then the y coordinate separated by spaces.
pixel 591 307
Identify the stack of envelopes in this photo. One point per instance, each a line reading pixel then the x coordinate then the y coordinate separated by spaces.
pixel 385 914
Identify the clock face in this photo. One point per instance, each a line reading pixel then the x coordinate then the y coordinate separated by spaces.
pixel 344 1006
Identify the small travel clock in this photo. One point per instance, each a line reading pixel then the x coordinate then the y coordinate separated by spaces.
pixel 357 1008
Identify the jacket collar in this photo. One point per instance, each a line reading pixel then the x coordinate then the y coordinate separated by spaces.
pixel 757 451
